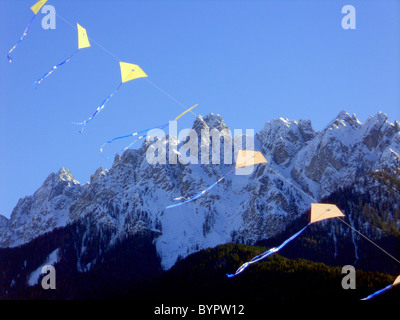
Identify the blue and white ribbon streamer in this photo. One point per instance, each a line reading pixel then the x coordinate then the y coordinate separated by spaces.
pixel 139 134
pixel 266 253
pixel 99 108
pixel 54 68
pixel 20 40
pixel 379 292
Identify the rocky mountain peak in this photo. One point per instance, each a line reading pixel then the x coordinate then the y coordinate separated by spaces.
pixel 66 175
pixel 344 119
pixel 378 132
pixel 210 121
pixel 58 180
pixel 284 138
pixel 379 118
pixel 99 173
pixel 43 211
pixel 133 194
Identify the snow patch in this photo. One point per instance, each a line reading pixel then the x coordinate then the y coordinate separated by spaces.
pixel 51 259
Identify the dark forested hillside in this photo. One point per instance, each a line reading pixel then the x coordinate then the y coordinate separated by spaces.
pixel 131 270
pixel 114 269
pixel 309 267
pixel 202 277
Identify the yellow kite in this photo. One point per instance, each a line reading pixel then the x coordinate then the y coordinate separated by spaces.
pixel 130 72
pixel 83 40
pixel 323 211
pixel 249 158
pixel 36 7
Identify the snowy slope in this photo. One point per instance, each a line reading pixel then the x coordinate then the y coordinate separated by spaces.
pixel 132 195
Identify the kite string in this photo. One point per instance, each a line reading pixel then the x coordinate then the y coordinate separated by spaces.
pixel 350 226
pixel 118 59
pixel 168 95
pixel 293 185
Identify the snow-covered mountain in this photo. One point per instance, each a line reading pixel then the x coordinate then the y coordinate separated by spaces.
pixel 47 209
pixel 132 195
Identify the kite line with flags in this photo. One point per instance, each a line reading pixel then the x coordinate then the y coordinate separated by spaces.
pixel 129 71
pixel 319 211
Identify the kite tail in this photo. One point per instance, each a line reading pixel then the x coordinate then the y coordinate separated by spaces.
pixel 266 253
pixel 20 40
pixel 53 69
pixel 133 135
pixel 379 292
pixel 99 108
pixel 198 195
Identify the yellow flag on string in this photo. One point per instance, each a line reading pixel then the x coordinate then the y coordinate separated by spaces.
pixel 186 111
pixel 131 71
pixel 322 211
pixel 247 158
pixel 83 40
pixel 36 7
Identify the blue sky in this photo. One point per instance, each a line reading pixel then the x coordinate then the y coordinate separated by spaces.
pixel 250 61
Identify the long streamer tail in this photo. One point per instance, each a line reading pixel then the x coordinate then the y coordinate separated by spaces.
pixel 54 68
pixel 266 253
pixel 145 130
pixel 20 40
pixel 198 195
pixel 139 134
pixel 99 108
pixel 378 293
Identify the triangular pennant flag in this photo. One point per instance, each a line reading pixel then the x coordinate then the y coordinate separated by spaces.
pixel 131 71
pixel 83 40
pixel 322 211
pixel 247 158
pixel 36 7
pixel 397 281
